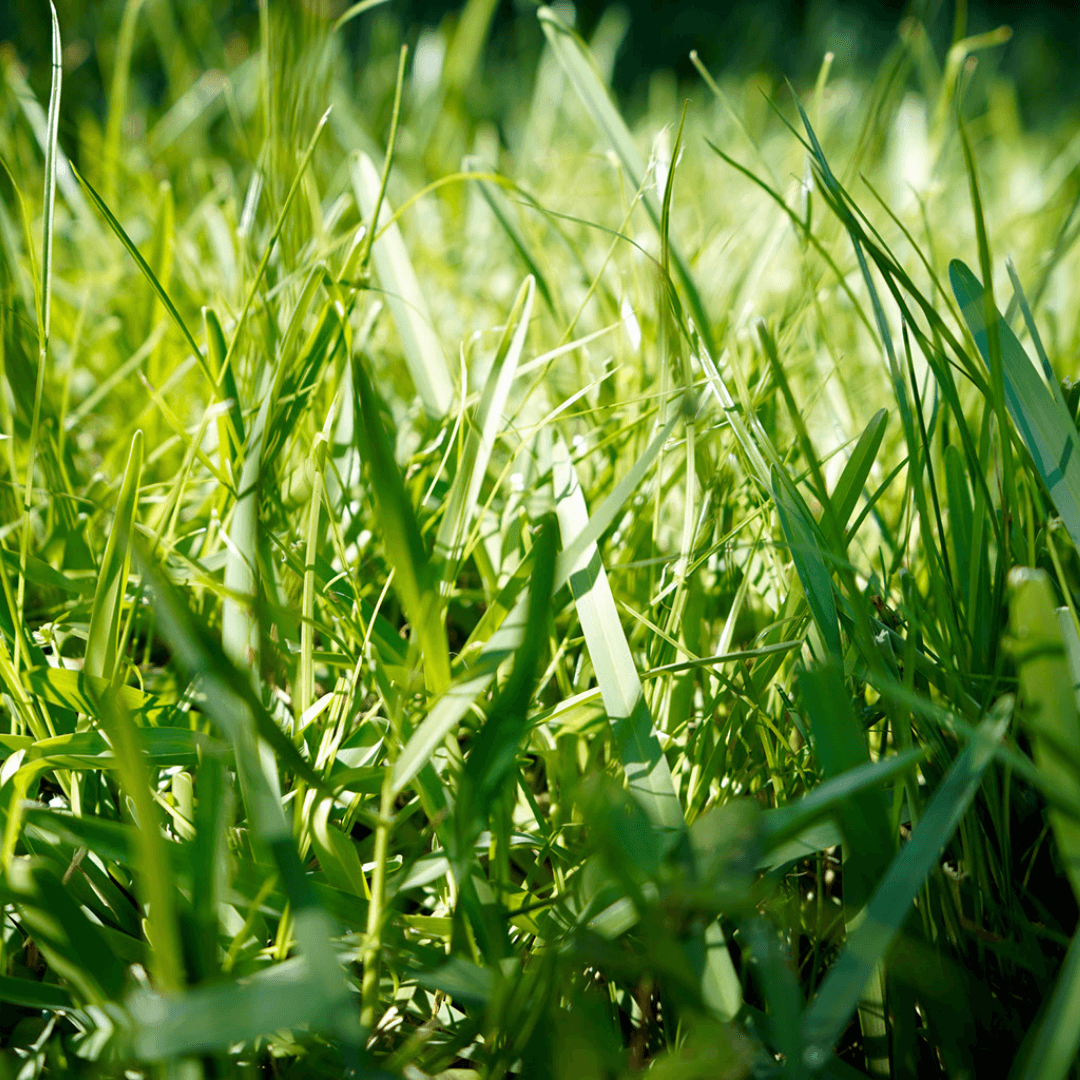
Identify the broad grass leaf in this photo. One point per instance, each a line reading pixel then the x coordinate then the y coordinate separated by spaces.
pixel 1049 699
pixel 1040 417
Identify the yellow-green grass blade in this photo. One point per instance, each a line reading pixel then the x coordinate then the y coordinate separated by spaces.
pixel 577 61
pixel 147 272
pixel 500 207
pixel 103 636
pixel 408 307
pixel 1049 700
pixel 216 352
pixel 882 920
pixel 44 310
pixel 163 1022
pixel 118 96
pixel 446 713
pixel 488 421
pixel 1040 417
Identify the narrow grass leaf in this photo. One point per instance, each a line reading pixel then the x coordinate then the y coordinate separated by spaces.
pixel 401 534
pixel 103 636
pixel 577 61
pixel 647 771
pixel 809 562
pixel 487 422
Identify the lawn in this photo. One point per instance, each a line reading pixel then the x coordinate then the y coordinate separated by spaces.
pixel 500 582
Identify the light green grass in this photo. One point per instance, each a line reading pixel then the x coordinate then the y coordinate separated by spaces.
pixel 615 611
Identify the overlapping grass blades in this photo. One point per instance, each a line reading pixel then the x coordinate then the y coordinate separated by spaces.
pixel 1036 408
pixel 352 766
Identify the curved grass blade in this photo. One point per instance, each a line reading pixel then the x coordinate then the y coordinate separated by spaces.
pixel 810 565
pixel 45 310
pixel 1040 417
pixel 322 997
pixel 577 61
pixel 401 534
pixel 447 711
pixel 1052 1053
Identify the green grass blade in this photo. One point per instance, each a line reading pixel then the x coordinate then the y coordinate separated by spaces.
pixel 829 1013
pixel 488 422
pixel 853 479
pixel 104 634
pixel 1052 1053
pixel 1042 421
pixel 401 534
pixel 1049 699
pixel 577 61
pixel 809 563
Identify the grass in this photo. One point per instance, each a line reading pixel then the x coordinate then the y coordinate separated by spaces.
pixel 571 599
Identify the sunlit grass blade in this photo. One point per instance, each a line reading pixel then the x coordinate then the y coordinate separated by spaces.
pixel 102 638
pixel 1049 699
pixel 647 771
pixel 423 350
pixel 576 60
pixel 401 534
pixel 487 422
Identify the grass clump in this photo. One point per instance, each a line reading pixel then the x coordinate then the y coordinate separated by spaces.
pixel 567 599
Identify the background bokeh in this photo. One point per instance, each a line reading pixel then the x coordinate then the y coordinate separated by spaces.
pixel 776 37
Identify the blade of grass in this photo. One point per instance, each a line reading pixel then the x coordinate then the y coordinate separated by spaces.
pixel 829 1013
pixel 1043 423
pixel 102 638
pixel 577 61
pixel 1049 699
pixel 408 308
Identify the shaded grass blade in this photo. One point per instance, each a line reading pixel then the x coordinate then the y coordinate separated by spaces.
pixel 829 1013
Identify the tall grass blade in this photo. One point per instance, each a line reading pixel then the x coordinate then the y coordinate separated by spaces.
pixel 423 350
pixel 1049 700
pixel 487 423
pixel 1044 425
pixel 401 534
pixel 647 771
pixel 829 1013
pixel 576 60
pixel 103 636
